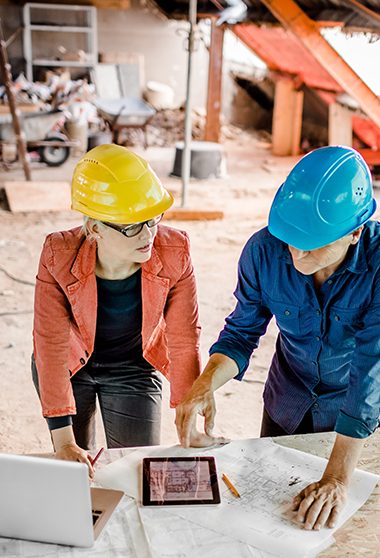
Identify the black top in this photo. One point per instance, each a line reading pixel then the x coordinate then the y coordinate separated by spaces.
pixel 119 320
pixel 118 328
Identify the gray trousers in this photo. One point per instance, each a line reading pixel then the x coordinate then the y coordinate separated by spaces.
pixel 129 399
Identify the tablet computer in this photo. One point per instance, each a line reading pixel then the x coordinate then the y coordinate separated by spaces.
pixel 180 481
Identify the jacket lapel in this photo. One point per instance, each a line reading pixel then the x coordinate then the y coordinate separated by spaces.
pixel 154 292
pixel 82 293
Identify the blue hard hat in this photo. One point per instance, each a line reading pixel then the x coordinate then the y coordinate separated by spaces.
pixel 327 195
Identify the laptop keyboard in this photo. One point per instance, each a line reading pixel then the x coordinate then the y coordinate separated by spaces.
pixel 95 516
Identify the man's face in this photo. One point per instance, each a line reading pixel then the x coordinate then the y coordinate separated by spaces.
pixel 331 255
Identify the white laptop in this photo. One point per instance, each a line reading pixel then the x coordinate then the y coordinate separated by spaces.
pixel 49 500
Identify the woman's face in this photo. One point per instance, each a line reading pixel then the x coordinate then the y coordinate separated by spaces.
pixel 137 249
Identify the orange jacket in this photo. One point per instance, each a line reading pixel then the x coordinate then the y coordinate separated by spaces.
pixel 65 310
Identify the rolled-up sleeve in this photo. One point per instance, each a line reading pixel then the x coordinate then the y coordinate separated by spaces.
pixel 249 320
pixel 359 416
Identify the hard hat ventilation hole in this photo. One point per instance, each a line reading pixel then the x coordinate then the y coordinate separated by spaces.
pixel 91 161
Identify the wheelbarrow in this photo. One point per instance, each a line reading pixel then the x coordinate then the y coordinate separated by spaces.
pixel 126 112
pixel 53 147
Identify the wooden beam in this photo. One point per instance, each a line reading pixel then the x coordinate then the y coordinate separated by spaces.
pixel 6 75
pixel 294 19
pixel 214 91
pixel 371 156
pixel 37 196
pixel 287 118
pixel 114 4
pixel 181 214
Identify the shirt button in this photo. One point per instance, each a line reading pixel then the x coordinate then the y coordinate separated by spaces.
pixel 329 281
pixel 287 312
pixel 318 312
pixel 82 361
pixel 315 405
pixel 317 338
pixel 314 362
pixel 336 318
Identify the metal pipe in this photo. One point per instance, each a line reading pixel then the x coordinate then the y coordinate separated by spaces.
pixel 186 153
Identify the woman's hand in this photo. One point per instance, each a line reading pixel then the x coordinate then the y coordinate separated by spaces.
pixel 320 503
pixel 72 452
pixel 66 448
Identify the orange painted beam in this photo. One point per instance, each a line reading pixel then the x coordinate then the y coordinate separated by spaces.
pixel 214 90
pixel 293 18
pixel 371 156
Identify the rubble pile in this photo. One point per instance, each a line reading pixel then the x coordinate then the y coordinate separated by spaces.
pixel 166 128
pixel 57 91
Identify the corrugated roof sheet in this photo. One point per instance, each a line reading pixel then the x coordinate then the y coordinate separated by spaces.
pixel 282 51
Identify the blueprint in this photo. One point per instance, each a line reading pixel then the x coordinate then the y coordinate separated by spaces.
pixel 267 477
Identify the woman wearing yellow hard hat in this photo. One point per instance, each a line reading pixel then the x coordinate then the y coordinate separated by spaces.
pixel 115 304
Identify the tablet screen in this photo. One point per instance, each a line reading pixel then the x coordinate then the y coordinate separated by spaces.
pixel 179 480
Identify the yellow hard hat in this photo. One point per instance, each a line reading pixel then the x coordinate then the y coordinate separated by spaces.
pixel 111 183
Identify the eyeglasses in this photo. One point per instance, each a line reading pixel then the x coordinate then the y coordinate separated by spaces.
pixel 133 230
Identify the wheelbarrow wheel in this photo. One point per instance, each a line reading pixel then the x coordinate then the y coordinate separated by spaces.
pixel 54 156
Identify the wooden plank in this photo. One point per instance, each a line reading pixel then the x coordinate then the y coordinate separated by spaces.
pixel 214 90
pixel 37 196
pixel 22 107
pixel 112 4
pixel 181 214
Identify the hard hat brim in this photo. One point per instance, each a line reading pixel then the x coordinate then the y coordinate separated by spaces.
pixel 300 239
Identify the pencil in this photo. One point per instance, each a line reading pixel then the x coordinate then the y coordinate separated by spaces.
pixel 230 486
pixel 93 461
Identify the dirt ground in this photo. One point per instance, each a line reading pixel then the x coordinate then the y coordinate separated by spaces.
pixel 244 195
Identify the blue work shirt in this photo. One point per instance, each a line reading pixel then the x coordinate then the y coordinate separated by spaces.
pixel 327 355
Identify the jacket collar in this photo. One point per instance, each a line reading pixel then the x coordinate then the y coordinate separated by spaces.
pixel 154 264
pixel 85 261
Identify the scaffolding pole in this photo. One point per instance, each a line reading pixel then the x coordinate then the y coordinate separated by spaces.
pixel 186 154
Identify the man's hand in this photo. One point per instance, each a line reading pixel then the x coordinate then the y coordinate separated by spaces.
pixel 186 418
pixel 320 503
pixel 200 400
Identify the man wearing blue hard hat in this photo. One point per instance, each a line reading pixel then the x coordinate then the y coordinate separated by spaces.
pixel 316 269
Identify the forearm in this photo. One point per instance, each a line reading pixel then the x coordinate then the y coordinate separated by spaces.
pixel 62 437
pixel 343 459
pixel 218 371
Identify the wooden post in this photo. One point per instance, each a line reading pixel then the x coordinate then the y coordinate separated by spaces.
pixel 214 91
pixel 340 125
pixel 6 75
pixel 287 118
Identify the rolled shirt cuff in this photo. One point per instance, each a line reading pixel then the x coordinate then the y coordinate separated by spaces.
pixel 353 427
pixel 59 422
pixel 225 349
